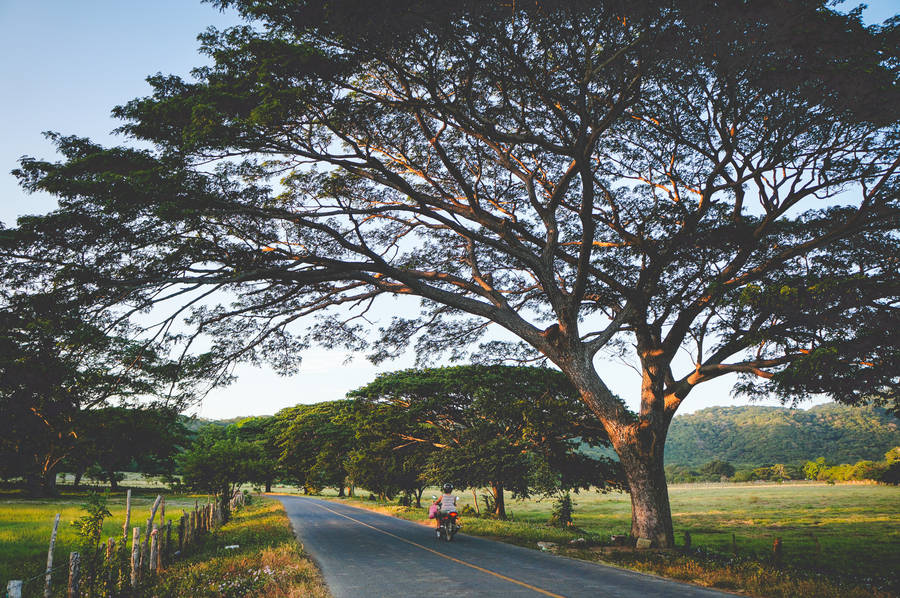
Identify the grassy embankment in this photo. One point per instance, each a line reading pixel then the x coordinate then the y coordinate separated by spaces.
pixel 268 563
pixel 838 540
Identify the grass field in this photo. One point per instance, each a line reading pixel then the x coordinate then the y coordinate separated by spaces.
pixel 837 540
pixel 268 563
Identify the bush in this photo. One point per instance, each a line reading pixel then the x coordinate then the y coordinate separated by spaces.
pixel 561 516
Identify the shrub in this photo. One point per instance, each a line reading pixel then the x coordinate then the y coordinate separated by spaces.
pixel 561 516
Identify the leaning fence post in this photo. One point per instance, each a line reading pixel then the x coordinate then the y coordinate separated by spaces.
pixel 14 588
pixel 145 549
pixel 49 574
pixel 135 556
pixel 74 575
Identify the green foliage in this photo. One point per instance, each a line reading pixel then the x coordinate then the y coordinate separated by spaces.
pixel 561 515
pixel 57 364
pixel 218 463
pixel 714 471
pixel 89 527
pixel 813 469
pixel 513 428
pixel 263 432
pixel 753 435
pixel 315 442
pixel 112 439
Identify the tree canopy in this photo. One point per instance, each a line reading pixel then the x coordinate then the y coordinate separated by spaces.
pixel 56 364
pixel 646 178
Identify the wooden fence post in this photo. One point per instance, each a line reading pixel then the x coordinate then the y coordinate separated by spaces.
pixel 168 556
pixel 154 549
pixel 135 557
pixel 14 588
pixel 49 575
pixel 127 516
pixel 73 590
pixel 182 529
pixel 145 549
pixel 111 564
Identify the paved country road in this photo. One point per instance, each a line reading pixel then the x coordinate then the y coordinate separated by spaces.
pixel 364 554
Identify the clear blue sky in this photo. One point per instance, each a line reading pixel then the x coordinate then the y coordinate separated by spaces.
pixel 64 64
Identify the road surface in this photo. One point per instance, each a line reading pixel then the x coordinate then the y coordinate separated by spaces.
pixel 364 554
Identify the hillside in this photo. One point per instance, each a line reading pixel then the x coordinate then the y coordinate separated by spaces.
pixel 755 435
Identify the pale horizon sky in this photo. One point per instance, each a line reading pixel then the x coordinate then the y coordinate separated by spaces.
pixel 66 64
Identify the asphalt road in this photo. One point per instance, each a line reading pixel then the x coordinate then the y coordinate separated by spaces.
pixel 364 554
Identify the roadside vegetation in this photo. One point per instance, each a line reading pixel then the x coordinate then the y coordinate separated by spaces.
pixel 267 561
pixel 837 540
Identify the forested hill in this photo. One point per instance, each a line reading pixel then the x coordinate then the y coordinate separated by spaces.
pixel 756 435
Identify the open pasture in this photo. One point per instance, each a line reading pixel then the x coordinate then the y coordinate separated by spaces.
pixel 846 528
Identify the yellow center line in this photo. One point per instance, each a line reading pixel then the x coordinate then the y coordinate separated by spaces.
pixel 440 554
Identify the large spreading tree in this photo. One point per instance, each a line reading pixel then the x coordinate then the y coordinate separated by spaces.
pixel 711 179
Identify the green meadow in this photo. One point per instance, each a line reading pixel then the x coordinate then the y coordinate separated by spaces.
pixel 269 562
pixel 850 528
pixel 26 525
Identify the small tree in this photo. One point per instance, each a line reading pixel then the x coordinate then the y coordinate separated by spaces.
pixel 219 463
pixel 813 470
pixel 89 527
pixel 561 515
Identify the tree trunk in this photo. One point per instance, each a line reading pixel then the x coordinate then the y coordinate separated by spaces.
pixel 651 515
pixel 48 484
pixel 640 443
pixel 224 503
pixel 113 482
pixel 419 492
pixel 499 503
pixel 268 485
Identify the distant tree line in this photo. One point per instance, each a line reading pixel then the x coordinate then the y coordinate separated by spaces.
pixel 518 430
pixel 886 471
pixel 501 428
